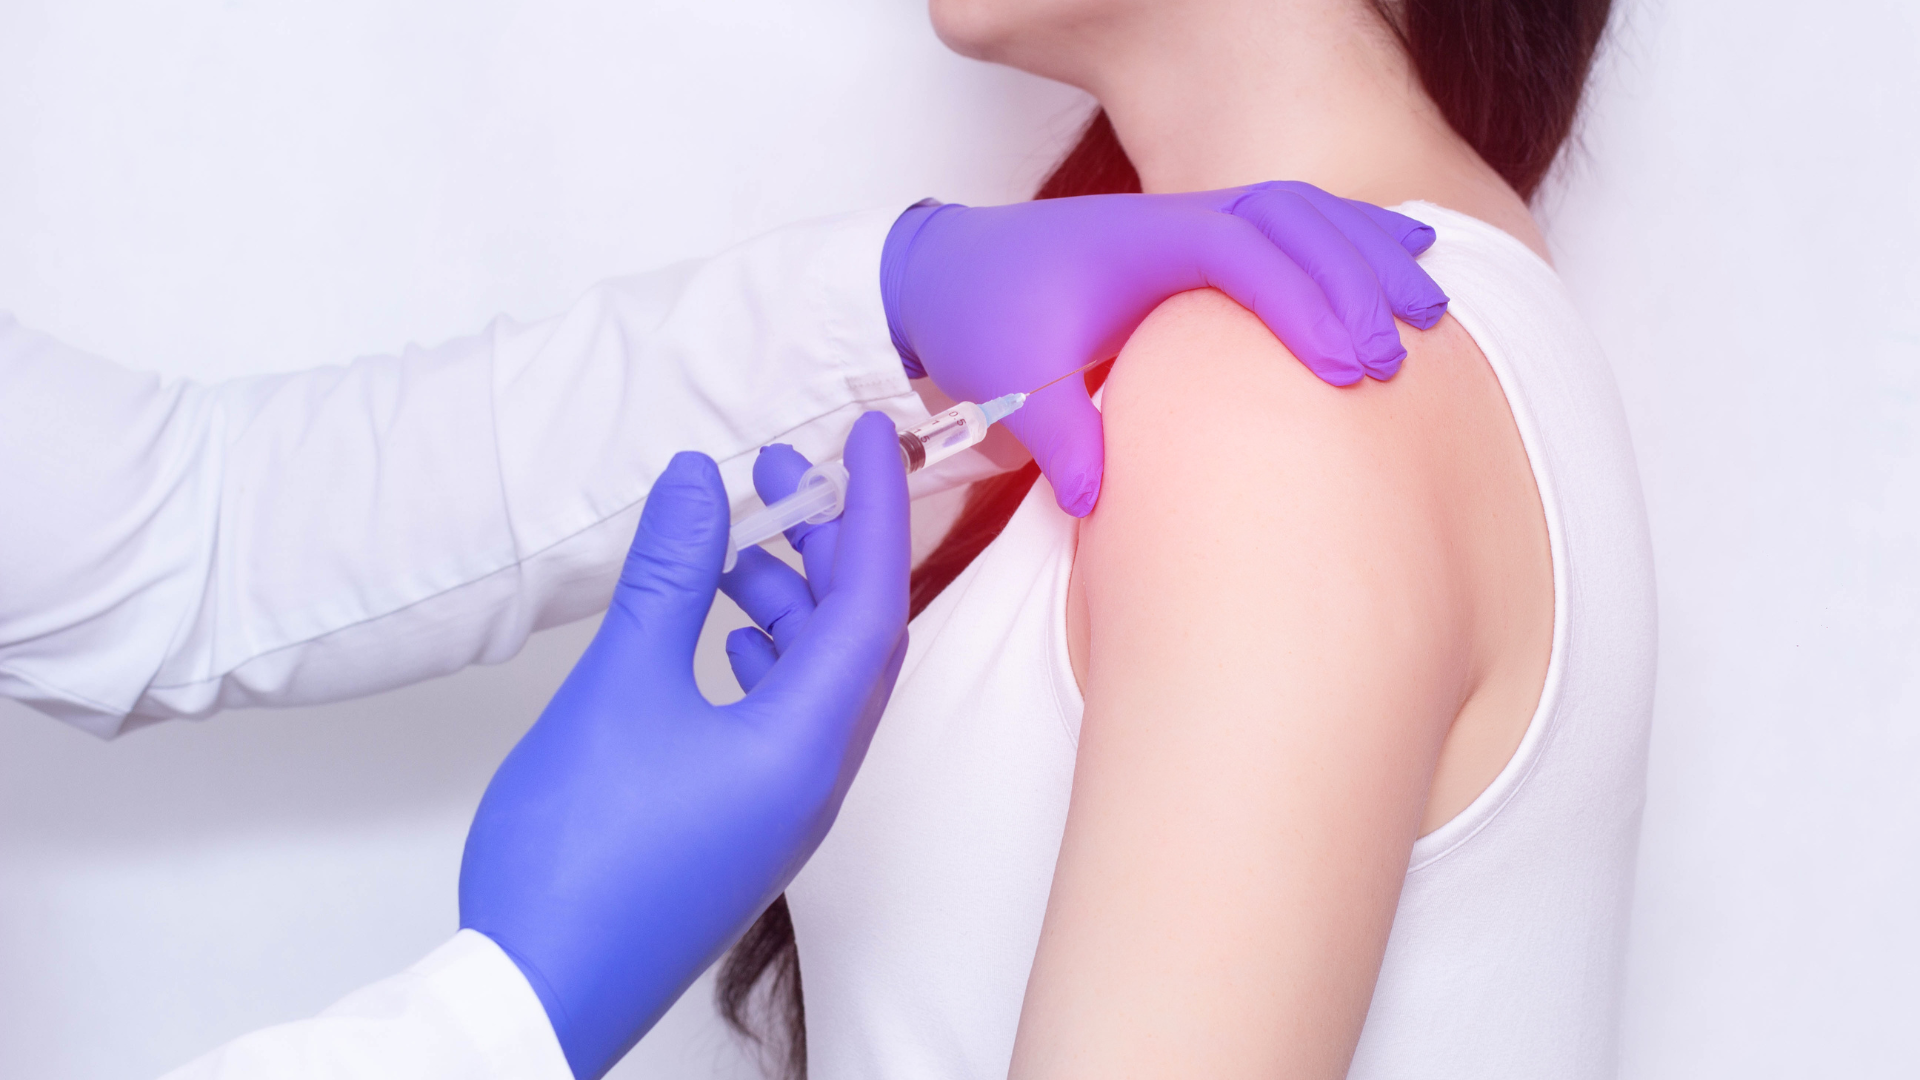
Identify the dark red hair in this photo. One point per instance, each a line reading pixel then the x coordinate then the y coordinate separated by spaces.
pixel 1507 74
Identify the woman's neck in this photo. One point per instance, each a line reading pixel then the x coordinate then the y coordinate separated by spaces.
pixel 1317 91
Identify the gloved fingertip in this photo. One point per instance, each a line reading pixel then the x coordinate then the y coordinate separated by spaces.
pixel 1335 362
pixel 777 470
pixel 1413 235
pixel 876 531
pixel 1067 444
pixel 684 501
pixel 673 564
pixel 873 426
pixel 1427 312
pixel 751 655
pixel 1079 499
pixel 1386 369
pixel 742 640
pixel 1337 372
pixel 689 467
pixel 874 463
pixel 1381 348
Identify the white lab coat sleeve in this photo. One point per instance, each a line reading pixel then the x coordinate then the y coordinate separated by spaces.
pixel 463 1013
pixel 170 549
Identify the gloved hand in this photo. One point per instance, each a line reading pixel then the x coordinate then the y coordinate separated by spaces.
pixel 990 300
pixel 778 603
pixel 637 830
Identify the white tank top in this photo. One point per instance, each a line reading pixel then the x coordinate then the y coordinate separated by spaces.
pixel 918 919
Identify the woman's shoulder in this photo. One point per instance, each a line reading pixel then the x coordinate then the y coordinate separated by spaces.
pixel 1414 497
pixel 1201 354
pixel 1281 631
pixel 1204 384
pixel 1213 425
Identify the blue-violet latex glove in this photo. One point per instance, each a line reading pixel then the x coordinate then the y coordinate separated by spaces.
pixel 637 830
pixel 990 300
pixel 779 603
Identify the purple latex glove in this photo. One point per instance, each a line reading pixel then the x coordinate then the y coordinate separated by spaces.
pixel 637 830
pixel 990 300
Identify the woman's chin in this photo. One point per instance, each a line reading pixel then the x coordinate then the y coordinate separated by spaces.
pixel 1049 38
pixel 978 29
pixel 1018 33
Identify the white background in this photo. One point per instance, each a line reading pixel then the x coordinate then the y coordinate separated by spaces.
pixel 213 188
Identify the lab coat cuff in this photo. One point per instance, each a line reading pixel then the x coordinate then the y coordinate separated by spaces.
pixel 854 315
pixel 491 1003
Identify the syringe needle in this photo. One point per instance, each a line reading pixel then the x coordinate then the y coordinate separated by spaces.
pixel 1059 378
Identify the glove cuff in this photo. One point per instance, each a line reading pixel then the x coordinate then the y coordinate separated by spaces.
pixel 893 273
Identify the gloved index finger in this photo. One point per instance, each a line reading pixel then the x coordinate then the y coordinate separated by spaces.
pixel 874 546
pixel 1261 277
pixel 1388 241
pixel 1413 235
pixel 776 473
pixel 857 626
pixel 1061 429
pixel 1352 283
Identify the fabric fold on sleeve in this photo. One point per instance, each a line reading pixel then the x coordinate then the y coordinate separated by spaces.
pixel 463 1013
pixel 303 538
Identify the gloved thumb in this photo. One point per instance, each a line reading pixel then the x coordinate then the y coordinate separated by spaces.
pixel 1061 429
pixel 673 568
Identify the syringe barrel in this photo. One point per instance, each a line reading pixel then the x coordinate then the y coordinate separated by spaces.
pixel 822 491
pixel 826 485
pixel 943 435
pixel 820 496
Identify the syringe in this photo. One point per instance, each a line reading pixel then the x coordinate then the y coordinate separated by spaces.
pixel 822 492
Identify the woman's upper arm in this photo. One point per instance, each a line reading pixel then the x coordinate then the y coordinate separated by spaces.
pixel 1272 661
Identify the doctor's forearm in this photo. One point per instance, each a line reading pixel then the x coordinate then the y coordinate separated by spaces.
pixel 310 537
pixel 464 1012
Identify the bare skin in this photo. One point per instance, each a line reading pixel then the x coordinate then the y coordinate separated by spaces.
pixel 1215 93
pixel 1311 624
